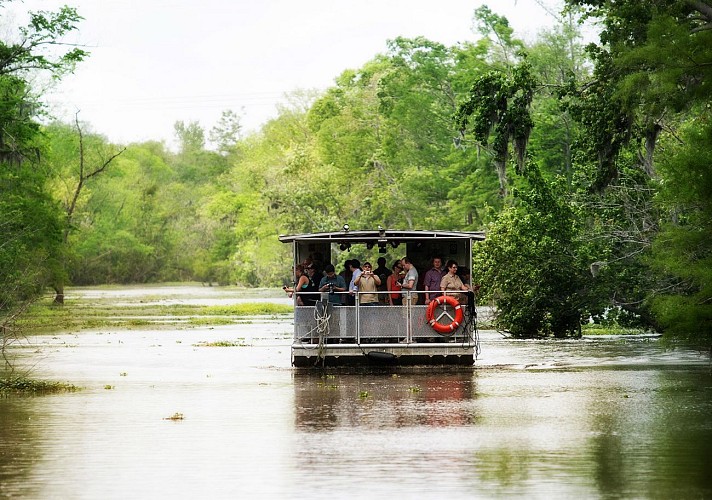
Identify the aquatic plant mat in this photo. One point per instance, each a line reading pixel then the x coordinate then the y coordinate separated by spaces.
pixel 596 329
pixel 22 385
pixel 96 313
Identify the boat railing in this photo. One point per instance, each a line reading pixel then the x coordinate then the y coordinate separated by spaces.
pixel 330 323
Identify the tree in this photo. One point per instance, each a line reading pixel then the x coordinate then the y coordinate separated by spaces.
pixel 557 59
pixel 191 137
pixel 682 252
pixel 652 62
pixel 226 133
pixel 34 51
pixel 496 28
pixel 194 163
pixel 532 264
pixel 31 239
pixel 652 85
pixel 32 235
pixel 86 168
pixel 30 253
pixel 498 106
pixel 123 227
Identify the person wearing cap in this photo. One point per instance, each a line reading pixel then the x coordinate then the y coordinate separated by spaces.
pixel 367 283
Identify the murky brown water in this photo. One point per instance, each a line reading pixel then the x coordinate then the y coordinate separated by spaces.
pixel 602 418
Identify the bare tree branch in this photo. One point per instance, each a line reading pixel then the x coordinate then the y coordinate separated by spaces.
pixel 83 176
pixel 701 7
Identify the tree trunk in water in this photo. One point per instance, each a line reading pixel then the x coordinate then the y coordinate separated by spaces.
pixel 84 175
pixel 59 294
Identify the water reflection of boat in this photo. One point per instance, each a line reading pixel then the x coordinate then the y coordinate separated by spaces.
pixel 370 400
pixel 332 335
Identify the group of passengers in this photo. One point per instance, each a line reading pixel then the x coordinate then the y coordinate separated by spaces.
pixel 447 280
pixel 311 282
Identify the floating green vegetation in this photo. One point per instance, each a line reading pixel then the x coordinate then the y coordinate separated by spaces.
pixel 249 309
pixel 204 321
pixel 22 385
pixel 137 322
pixel 108 387
pixel 596 329
pixel 83 315
pixel 363 394
pixel 222 343
pixel 414 389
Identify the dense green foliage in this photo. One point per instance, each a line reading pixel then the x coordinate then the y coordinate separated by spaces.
pixel 30 221
pixel 531 264
pixel 589 170
pixel 683 248
pixel 31 232
pixel 654 64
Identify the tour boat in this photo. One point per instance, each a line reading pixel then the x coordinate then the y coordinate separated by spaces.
pixel 419 332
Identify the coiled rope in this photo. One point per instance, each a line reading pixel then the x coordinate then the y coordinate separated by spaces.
pixel 322 315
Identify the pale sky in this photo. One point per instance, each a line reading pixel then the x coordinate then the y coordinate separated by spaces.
pixel 154 62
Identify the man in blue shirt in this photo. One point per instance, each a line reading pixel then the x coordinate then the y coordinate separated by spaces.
pixel 332 283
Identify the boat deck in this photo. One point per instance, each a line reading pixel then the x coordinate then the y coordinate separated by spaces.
pixel 383 334
pixel 349 335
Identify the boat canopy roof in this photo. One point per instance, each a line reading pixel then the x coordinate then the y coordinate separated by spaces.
pixel 352 236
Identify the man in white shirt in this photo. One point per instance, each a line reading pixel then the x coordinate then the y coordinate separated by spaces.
pixel 410 282
pixel 355 267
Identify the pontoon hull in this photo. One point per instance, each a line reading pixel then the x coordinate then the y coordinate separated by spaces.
pixel 431 354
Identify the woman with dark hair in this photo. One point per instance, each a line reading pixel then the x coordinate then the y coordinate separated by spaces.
pixel 301 281
pixel 393 284
pixel 310 294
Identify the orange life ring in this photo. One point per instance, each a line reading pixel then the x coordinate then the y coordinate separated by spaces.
pixel 440 327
